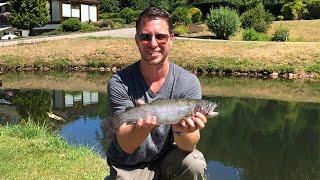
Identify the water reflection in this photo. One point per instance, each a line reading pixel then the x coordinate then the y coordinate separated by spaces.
pixel 250 139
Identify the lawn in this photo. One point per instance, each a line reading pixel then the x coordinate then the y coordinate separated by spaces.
pixel 30 152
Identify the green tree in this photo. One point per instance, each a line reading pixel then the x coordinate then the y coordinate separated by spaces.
pixel 109 6
pixel 293 10
pixel 27 14
pixel 223 22
pixel 257 18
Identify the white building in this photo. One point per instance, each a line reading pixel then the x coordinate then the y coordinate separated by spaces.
pixel 85 10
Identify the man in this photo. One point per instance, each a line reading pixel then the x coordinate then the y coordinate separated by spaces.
pixel 144 150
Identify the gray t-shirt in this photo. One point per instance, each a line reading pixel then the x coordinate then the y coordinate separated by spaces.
pixel 128 86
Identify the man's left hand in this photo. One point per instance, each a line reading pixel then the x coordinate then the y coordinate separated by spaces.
pixel 190 125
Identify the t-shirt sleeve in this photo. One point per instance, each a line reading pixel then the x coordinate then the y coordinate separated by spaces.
pixel 118 97
pixel 192 87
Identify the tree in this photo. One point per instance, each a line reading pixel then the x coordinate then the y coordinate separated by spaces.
pixel 223 22
pixel 109 6
pixel 27 14
pixel 257 18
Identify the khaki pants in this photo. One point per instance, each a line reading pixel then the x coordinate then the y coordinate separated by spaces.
pixel 175 165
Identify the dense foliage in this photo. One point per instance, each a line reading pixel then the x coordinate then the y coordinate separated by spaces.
pixel 223 22
pixel 71 25
pixel 293 10
pixel 281 34
pixel 181 15
pixel 313 9
pixel 27 14
pixel 196 14
pixel 128 14
pixel 251 35
pixel 109 6
pixel 257 18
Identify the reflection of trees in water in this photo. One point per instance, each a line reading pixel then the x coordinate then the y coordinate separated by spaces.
pixel 268 139
pixel 33 104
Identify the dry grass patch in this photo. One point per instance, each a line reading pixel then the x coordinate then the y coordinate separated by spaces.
pixel 300 30
pixel 188 53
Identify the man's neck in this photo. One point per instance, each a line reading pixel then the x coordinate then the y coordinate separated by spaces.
pixel 154 75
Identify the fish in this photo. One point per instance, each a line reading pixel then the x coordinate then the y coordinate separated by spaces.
pixel 167 111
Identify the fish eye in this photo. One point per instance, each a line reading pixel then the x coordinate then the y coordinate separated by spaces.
pixel 209 105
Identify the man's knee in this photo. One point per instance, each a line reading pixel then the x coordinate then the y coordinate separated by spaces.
pixel 195 162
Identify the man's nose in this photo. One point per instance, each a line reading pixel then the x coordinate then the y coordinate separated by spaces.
pixel 153 42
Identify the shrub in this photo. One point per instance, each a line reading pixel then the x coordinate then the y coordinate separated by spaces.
pixel 257 18
pixel 180 29
pixel 87 27
pixel 181 16
pixel 280 18
pixel 313 9
pixel 281 34
pixel 223 22
pixel 195 14
pixel 293 10
pixel 127 14
pixel 71 25
pixel 252 35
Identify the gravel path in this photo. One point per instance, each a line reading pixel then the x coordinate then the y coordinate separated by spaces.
pixel 126 33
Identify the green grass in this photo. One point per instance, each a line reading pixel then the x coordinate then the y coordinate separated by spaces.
pixel 30 152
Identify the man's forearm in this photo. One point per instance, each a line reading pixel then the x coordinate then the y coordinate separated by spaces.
pixel 130 137
pixel 187 142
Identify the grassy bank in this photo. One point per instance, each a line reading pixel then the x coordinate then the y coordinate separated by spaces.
pixel 213 56
pixel 30 152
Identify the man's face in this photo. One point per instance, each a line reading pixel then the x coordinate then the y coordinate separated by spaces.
pixel 154 40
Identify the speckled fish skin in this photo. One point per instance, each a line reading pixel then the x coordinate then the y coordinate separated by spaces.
pixel 169 111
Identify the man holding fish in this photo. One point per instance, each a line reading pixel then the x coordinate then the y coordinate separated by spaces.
pixel 156 140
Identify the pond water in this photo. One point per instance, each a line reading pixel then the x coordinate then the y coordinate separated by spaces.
pixel 252 138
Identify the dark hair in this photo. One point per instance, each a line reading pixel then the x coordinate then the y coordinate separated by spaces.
pixel 154 13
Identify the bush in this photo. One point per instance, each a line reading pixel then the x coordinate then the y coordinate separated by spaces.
pixel 293 10
pixel 71 25
pixel 252 35
pixel 281 34
pixel 128 14
pixel 313 9
pixel 195 14
pixel 257 18
pixel 87 27
pixel 223 22
pixel 280 18
pixel 181 16
pixel 180 29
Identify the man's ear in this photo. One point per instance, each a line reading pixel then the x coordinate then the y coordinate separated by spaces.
pixel 136 39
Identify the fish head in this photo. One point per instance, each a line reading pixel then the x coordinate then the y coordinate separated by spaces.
pixel 206 108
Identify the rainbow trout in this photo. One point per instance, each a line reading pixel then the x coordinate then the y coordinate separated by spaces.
pixel 169 111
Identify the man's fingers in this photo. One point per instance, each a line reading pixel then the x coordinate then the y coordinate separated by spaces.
pixel 198 123
pixel 190 123
pixel 202 117
pixel 140 102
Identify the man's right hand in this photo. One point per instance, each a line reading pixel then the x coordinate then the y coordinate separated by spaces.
pixel 131 136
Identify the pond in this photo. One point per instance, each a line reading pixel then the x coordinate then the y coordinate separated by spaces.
pixel 266 129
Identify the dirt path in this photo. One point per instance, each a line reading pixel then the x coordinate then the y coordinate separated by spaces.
pixel 126 33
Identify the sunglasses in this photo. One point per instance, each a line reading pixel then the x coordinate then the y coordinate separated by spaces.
pixel 146 38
